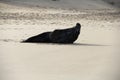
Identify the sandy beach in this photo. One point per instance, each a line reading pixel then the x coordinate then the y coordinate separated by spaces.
pixel 94 56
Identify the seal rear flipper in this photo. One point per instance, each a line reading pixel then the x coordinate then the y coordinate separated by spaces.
pixel 41 38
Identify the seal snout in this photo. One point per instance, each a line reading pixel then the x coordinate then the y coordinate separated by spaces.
pixel 78 27
pixel 78 24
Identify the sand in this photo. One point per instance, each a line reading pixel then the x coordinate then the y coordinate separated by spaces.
pixel 94 56
pixel 65 4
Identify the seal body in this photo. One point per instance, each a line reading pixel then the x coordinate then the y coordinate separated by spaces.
pixel 64 36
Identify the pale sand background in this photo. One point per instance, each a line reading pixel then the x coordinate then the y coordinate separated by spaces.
pixel 94 56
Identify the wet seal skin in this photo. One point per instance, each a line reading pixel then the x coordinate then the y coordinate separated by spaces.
pixel 63 36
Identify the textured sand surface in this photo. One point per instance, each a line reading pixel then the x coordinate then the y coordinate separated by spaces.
pixel 94 56
pixel 65 4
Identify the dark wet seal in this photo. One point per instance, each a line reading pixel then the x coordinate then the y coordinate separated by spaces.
pixel 62 36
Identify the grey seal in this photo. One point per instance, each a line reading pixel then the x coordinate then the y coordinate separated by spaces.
pixel 64 36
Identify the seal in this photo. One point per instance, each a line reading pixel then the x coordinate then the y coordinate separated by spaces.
pixel 64 36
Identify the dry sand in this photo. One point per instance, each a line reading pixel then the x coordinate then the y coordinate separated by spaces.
pixel 94 56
